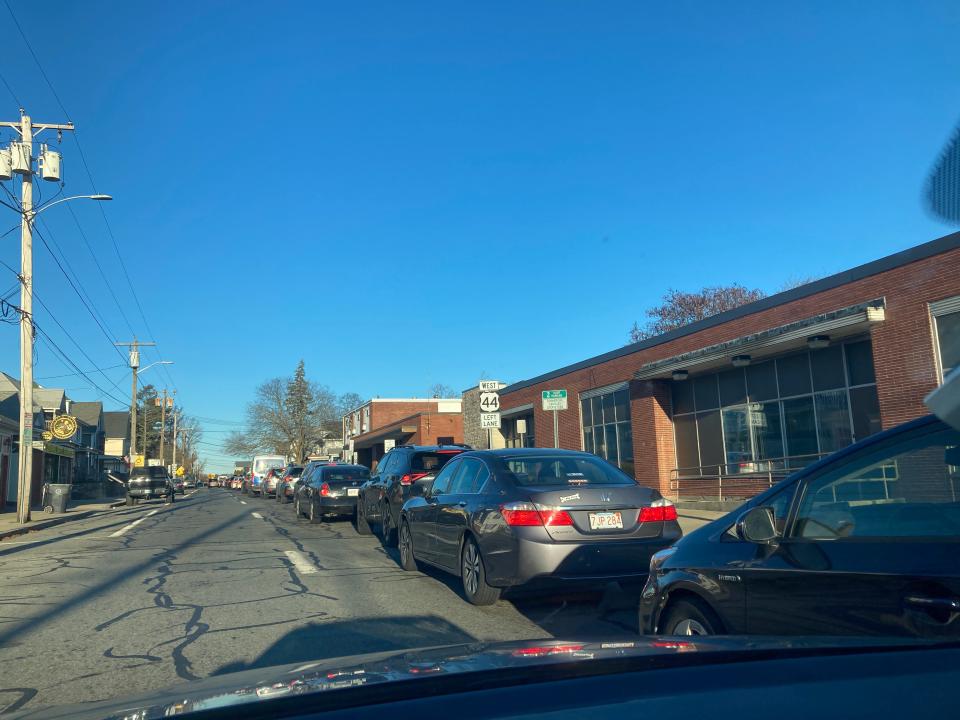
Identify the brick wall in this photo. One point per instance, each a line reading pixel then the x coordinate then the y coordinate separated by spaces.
pixel 902 346
pixel 437 425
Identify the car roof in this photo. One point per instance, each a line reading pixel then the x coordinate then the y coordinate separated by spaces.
pixel 344 465
pixel 434 448
pixel 534 451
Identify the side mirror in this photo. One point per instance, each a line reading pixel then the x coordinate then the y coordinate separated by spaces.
pixel 758 525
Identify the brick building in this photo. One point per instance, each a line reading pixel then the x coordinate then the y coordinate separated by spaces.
pixel 725 406
pixel 370 430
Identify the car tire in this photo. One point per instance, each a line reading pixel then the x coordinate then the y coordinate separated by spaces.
pixel 131 501
pixel 387 531
pixel 360 519
pixel 473 575
pixel 408 560
pixel 689 617
pixel 313 517
pixel 296 508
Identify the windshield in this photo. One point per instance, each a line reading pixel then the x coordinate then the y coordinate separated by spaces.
pixel 623 325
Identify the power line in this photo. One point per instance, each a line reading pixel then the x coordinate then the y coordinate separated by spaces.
pixel 10 90
pixel 57 377
pixel 53 345
pixel 36 60
pixel 86 168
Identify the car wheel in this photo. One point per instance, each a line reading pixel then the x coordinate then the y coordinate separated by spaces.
pixel 690 617
pixel 314 518
pixel 363 527
pixel 407 559
pixel 296 508
pixel 131 501
pixel 387 531
pixel 474 576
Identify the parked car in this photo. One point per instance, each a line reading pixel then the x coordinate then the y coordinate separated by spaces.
pixel 331 490
pixel 270 482
pixel 288 483
pixel 179 486
pixel 504 518
pixel 261 465
pixel 146 483
pixel 389 487
pixel 863 542
pixel 213 482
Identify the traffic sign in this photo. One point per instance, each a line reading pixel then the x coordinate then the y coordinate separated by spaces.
pixel 554 399
pixel 493 385
pixel 490 420
pixel 489 402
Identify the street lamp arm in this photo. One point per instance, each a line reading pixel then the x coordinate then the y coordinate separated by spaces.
pixel 158 362
pixel 34 213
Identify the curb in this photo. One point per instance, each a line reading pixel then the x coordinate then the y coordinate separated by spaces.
pixel 52 522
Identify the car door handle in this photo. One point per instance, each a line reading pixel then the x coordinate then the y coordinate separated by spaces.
pixel 922 602
pixel 462 503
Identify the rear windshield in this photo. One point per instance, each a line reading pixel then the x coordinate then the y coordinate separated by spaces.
pixel 564 470
pixel 262 465
pixel 347 473
pixel 431 461
pixel 295 472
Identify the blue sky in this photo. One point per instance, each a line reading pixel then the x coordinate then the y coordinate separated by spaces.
pixel 411 193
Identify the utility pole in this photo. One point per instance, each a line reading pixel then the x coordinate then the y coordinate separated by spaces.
pixel 174 462
pixel 134 366
pixel 24 166
pixel 163 427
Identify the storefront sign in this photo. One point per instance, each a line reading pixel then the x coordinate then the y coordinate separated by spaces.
pixel 63 427
pixel 53 449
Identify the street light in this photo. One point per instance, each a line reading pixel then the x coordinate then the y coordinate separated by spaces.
pixel 158 362
pixel 27 216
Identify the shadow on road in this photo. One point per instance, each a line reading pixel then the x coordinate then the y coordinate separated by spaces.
pixel 338 638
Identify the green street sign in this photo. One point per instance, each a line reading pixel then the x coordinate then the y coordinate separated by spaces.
pixel 554 399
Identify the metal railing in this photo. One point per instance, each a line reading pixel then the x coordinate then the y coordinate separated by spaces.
pixel 738 480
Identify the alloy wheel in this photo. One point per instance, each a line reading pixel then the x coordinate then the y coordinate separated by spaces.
pixel 471 568
pixel 690 627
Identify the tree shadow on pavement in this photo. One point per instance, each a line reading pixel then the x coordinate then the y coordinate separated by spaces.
pixel 338 638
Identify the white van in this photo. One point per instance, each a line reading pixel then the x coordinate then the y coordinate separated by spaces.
pixel 262 464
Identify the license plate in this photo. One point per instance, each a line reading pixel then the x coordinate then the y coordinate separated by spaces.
pixel 351 492
pixel 606 521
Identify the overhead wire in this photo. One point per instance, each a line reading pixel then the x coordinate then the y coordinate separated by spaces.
pixel 86 166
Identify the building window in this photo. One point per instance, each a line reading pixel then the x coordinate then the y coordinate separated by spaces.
pixel 518 431
pixel 606 427
pixel 946 325
pixel 778 414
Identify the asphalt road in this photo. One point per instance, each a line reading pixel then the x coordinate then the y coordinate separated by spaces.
pixel 147 597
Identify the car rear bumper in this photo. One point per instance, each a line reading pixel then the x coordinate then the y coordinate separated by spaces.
pixel 337 505
pixel 148 492
pixel 533 559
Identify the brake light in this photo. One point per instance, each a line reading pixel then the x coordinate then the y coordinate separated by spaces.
pixel 530 515
pixel 411 478
pixel 449 452
pixel 325 490
pixel 661 510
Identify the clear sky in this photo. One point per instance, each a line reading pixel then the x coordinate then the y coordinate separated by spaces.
pixel 410 193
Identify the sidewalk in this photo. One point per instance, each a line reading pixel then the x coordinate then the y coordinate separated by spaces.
pixel 9 527
pixel 691 519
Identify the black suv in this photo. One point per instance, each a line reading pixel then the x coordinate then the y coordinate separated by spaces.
pixel 149 482
pixel 399 474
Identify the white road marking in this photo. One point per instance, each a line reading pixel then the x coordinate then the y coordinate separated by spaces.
pixel 300 562
pixel 257 515
pixel 243 502
pixel 132 525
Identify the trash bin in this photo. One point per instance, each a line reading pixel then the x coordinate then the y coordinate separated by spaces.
pixel 55 497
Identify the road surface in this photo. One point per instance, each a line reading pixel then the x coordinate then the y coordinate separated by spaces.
pixel 147 597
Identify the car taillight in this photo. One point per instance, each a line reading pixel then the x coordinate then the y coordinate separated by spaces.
pixel 411 478
pixel 324 489
pixel 541 651
pixel 661 510
pixel 529 515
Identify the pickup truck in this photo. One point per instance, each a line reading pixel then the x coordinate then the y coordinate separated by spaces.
pixel 149 482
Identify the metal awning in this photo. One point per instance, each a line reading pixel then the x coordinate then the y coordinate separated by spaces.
pixel 845 322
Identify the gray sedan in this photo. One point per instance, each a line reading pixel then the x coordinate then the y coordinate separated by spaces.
pixel 502 518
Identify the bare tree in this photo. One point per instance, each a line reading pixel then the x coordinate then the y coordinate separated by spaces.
pixel 439 390
pixel 682 308
pixel 287 416
pixel 795 281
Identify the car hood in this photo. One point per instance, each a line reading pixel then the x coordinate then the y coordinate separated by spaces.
pixel 343 680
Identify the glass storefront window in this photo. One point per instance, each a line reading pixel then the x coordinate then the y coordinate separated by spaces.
pixel 798 406
pixel 518 431
pixel 948 341
pixel 606 428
